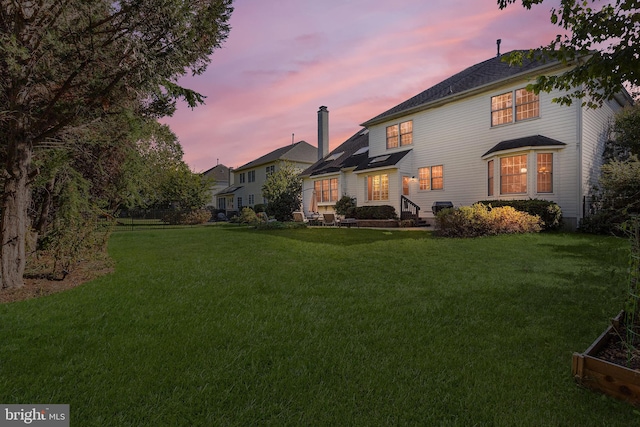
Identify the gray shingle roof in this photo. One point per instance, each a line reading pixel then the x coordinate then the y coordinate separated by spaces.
pixel 527 141
pixel 229 190
pixel 489 71
pixel 219 172
pixel 382 161
pixel 301 151
pixel 345 160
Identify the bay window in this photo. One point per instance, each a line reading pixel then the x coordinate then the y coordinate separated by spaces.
pixel 490 177
pixel 544 168
pixel 513 174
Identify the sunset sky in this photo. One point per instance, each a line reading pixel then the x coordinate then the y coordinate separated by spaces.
pixel 283 59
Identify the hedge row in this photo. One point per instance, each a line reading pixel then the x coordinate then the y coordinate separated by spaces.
pixel 372 212
pixel 549 212
pixel 480 220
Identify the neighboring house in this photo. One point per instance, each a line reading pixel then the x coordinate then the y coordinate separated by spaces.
pixel 245 188
pixel 220 175
pixel 478 135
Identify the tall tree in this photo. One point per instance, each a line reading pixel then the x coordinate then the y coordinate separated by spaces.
pixel 601 39
pixel 65 65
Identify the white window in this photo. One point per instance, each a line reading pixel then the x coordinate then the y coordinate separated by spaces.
pixel 431 178
pixel 544 168
pixel 378 187
pixel 513 174
pixel 400 134
pixel 326 190
pixel 503 109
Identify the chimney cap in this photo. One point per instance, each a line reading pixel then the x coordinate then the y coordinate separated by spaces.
pixel 323 108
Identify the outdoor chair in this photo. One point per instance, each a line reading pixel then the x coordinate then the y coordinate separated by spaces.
pixel 299 217
pixel 329 219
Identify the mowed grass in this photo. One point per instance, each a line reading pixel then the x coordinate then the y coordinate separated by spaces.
pixel 232 326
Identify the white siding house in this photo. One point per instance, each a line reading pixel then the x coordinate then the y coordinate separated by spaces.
pixel 479 135
pixel 245 188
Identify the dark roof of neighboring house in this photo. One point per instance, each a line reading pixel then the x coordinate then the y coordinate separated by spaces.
pixel 527 141
pixel 301 152
pixel 384 160
pixel 219 172
pixel 229 190
pixel 489 71
pixel 342 156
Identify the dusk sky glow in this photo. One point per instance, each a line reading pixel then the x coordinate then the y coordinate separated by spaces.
pixel 283 59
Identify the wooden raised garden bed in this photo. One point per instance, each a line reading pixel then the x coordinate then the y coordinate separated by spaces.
pixel 604 376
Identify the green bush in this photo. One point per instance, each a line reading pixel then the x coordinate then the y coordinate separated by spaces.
pixel 617 199
pixel 248 216
pixel 345 205
pixel 191 217
pixel 372 212
pixel 549 212
pixel 480 220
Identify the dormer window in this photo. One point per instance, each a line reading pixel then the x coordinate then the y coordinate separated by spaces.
pixel 399 135
pixel 503 109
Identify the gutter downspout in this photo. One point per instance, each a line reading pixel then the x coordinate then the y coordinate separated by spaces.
pixel 579 154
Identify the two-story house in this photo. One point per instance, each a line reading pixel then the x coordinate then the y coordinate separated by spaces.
pixel 478 135
pixel 245 188
pixel 220 176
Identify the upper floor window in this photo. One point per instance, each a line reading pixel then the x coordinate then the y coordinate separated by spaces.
pixel 400 134
pixel 503 109
pixel 242 178
pixel 431 178
pixel 252 176
pixel 270 170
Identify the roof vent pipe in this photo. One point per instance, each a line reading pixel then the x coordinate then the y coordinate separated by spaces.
pixel 323 132
pixel 498 43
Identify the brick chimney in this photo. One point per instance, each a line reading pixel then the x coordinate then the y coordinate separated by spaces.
pixel 323 132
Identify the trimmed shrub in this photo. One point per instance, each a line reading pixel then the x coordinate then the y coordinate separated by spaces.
pixel 479 220
pixel 193 217
pixel 549 212
pixel 260 207
pixel 248 216
pixel 372 212
pixel 345 205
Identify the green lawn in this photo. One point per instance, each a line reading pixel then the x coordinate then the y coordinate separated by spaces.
pixel 232 326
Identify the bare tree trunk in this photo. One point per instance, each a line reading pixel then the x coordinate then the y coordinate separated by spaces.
pixel 14 223
pixel 43 221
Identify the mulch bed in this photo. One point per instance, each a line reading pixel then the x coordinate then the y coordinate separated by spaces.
pixel 38 285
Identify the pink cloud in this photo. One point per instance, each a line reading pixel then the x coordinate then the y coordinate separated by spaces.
pixel 284 59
